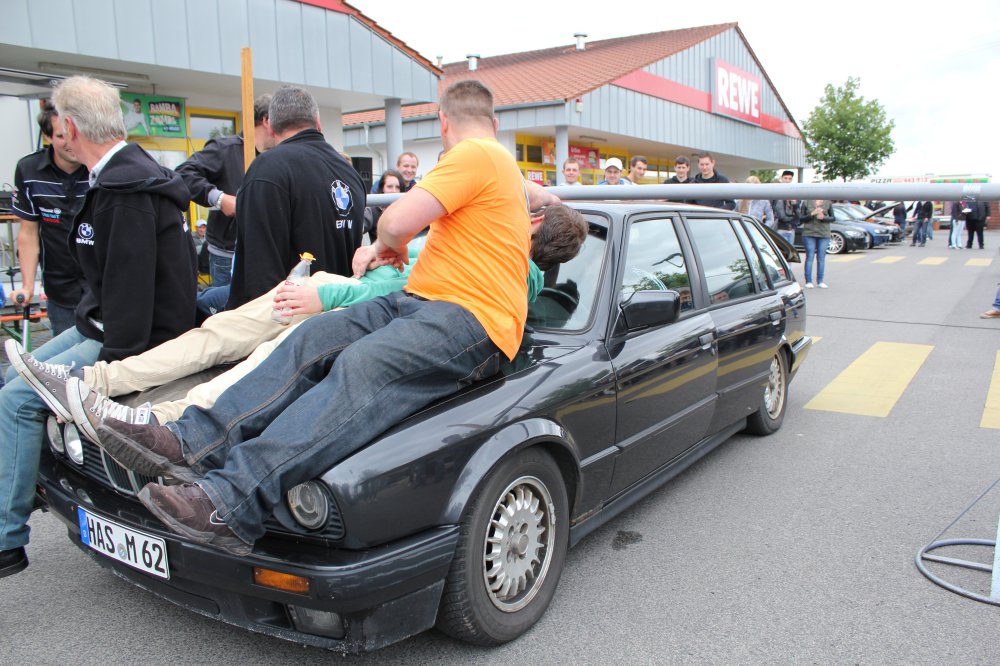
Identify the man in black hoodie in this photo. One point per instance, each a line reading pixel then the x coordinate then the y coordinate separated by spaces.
pixel 139 275
pixel 708 174
pixel 300 196
pixel 213 175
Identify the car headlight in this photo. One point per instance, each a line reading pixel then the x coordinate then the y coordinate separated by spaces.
pixel 309 505
pixel 54 434
pixel 855 234
pixel 74 447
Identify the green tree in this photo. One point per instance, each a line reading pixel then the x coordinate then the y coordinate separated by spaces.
pixel 765 175
pixel 847 137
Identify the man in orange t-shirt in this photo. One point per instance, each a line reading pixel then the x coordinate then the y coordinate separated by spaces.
pixel 357 372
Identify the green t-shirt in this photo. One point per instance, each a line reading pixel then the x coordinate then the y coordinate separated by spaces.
pixel 386 280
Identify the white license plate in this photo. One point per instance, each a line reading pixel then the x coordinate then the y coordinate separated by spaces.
pixel 136 549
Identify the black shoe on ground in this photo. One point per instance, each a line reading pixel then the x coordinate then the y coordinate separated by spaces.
pixel 12 561
pixel 147 449
pixel 187 510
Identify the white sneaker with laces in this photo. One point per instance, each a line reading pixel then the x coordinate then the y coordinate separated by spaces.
pixel 89 409
pixel 809 285
pixel 47 379
pixel 822 285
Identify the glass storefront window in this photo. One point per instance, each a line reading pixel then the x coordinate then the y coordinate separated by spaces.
pixel 211 127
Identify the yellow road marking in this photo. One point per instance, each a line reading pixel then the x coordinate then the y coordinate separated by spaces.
pixel 844 258
pixel 991 411
pixel 874 382
pixel 888 260
pixel 816 338
pixel 979 262
pixel 932 261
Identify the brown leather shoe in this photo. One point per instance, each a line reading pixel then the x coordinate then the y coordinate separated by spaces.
pixel 147 449
pixel 187 510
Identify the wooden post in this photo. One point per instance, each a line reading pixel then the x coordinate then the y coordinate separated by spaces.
pixel 246 56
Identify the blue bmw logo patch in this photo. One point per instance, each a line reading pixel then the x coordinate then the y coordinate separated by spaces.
pixel 86 231
pixel 341 193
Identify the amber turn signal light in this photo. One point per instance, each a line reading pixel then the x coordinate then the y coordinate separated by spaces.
pixel 281 581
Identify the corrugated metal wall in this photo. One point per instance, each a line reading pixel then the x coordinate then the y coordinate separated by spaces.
pixel 620 111
pixel 292 42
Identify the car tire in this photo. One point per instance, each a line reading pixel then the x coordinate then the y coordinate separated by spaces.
pixel 837 243
pixel 512 546
pixel 774 397
pixel 869 241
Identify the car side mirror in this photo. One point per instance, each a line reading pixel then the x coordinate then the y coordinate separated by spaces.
pixel 651 308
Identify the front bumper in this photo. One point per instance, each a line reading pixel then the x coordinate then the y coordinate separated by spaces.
pixel 380 595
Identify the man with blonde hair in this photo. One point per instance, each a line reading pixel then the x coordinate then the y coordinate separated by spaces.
pixel 140 278
pixel 383 359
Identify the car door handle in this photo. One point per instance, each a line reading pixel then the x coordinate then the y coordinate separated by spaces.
pixel 706 340
pixel 775 317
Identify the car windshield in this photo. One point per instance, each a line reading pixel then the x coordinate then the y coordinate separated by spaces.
pixel 566 302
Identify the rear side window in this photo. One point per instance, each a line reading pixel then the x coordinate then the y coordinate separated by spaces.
pixel 655 261
pixel 566 302
pixel 775 268
pixel 727 271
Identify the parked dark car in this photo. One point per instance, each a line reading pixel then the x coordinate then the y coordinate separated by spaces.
pixel 859 216
pixel 675 328
pixel 844 238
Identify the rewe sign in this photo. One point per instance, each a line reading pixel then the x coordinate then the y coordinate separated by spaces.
pixel 735 93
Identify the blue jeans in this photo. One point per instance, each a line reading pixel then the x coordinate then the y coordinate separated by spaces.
pixel 996 301
pixel 920 232
pixel 815 249
pixel 336 383
pixel 61 318
pixel 22 423
pixel 211 301
pixel 221 269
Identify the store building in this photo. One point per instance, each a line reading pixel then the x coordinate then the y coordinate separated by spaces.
pixel 659 95
pixel 179 65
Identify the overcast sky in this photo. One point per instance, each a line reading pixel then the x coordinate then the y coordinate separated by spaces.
pixel 935 67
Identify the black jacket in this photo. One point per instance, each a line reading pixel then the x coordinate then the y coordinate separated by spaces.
pixel 44 194
pixel 136 256
pixel 219 165
pixel 717 177
pixel 300 196
pixel 787 213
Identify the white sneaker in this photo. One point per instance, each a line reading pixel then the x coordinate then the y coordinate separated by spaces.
pixel 89 409
pixel 809 285
pixel 822 285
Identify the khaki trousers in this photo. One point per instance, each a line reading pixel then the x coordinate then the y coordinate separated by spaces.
pixel 226 337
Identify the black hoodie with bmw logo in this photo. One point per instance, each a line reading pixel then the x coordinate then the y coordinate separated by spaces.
pixel 136 256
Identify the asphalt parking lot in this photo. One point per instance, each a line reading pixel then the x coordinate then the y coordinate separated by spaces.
pixel 794 548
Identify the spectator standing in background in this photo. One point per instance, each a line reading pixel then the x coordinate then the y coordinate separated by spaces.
pixel 922 212
pixel 406 165
pixel 899 216
pixel 787 210
pixel 637 169
pixel 708 174
pixel 49 187
pixel 613 173
pixel 976 213
pixel 571 172
pixel 759 209
pixel 816 217
pixel 214 175
pixel 389 183
pixel 957 226
pixel 682 169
